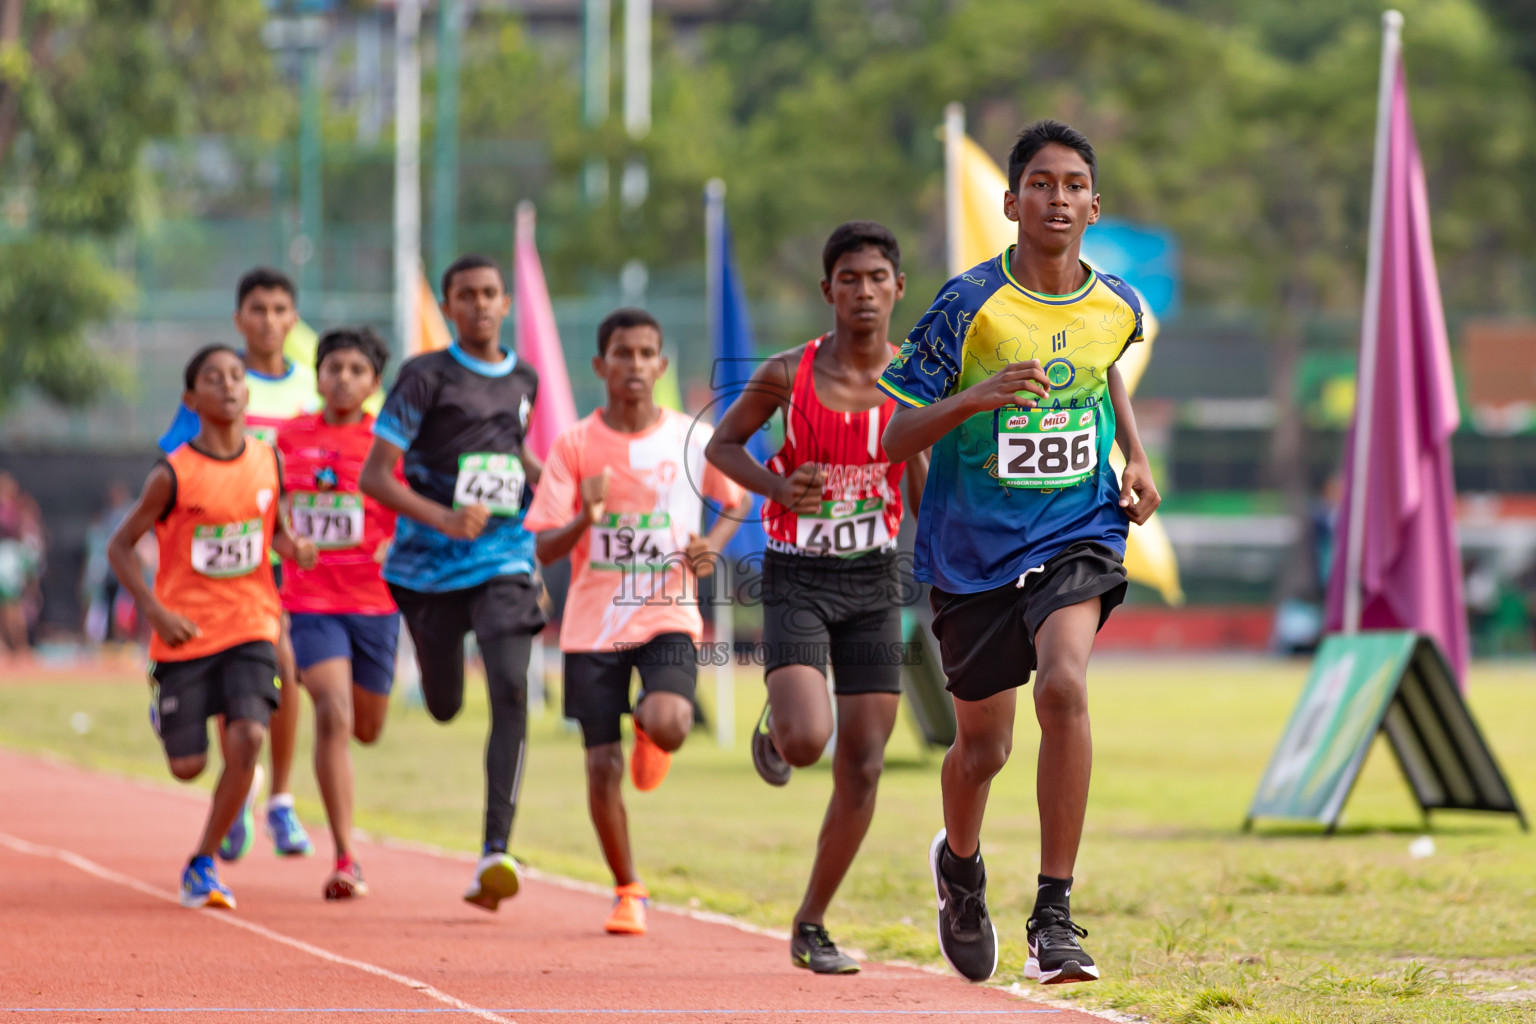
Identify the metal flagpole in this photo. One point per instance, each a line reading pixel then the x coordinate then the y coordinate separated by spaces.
pixel 725 606
pixel 407 172
pixel 954 135
pixel 445 149
pixel 1370 323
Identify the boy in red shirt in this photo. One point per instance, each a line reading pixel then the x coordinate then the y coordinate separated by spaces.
pixel 344 623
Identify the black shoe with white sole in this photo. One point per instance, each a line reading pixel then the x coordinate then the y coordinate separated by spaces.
pixel 813 949
pixel 770 764
pixel 1055 957
pixel 966 936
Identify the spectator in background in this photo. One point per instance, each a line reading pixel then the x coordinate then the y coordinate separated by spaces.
pixel 100 593
pixel 21 561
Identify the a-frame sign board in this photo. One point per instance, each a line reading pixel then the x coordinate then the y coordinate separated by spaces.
pixel 1392 682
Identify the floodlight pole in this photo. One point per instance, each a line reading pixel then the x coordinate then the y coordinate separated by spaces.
pixel 954 137
pixel 1370 324
pixel 407 172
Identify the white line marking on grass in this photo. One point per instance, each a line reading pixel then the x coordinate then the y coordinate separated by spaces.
pixel 90 867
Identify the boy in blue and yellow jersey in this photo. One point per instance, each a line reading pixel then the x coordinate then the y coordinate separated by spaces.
pixel 281 388
pixel 1011 378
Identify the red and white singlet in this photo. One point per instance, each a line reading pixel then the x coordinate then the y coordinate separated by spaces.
pixel 861 500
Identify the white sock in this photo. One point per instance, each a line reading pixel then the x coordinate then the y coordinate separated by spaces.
pixel 280 800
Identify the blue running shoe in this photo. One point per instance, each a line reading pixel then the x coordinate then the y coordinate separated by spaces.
pixel 237 841
pixel 288 836
pixel 200 886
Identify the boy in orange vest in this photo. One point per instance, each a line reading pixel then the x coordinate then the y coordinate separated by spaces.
pixel 213 504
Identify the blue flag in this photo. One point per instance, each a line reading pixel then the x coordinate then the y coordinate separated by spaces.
pixel 735 352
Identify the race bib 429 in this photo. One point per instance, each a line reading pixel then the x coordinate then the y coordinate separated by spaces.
pixel 492 480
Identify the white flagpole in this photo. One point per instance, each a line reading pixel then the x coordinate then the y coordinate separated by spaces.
pixel 724 609
pixel 954 214
pixel 407 173
pixel 1370 323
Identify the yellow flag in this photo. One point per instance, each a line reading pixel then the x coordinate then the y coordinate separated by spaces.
pixel 974 200
pixel 667 394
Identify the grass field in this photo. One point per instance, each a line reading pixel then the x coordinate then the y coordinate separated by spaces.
pixel 1191 921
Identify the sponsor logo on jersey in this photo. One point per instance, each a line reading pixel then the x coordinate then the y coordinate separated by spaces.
pixel 1085 419
pixel 1055 420
pixel 844 508
pixel 1016 422
pixel 325 478
pixel 1060 373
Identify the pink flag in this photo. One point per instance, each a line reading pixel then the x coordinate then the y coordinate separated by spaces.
pixel 1403 549
pixel 538 342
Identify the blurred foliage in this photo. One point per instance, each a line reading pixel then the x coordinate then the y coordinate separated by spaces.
pixel 1244 126
pixel 84 85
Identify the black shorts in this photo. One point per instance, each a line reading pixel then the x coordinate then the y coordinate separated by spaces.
pixel 438 620
pixel 843 610
pixel 239 683
pixel 597 682
pixel 987 640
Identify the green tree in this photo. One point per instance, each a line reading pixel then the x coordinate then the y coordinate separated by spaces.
pixel 84 84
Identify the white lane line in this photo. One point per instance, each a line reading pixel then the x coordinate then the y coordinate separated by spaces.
pixel 90 867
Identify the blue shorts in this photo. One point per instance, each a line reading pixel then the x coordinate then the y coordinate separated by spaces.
pixel 368 641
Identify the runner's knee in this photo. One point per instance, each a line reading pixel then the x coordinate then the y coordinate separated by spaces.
pixel 242 743
pixel 858 773
pixel 188 768
pixel 982 757
pixel 800 745
pixel 333 715
pixel 367 728
pixel 605 766
pixel 666 722
pixel 1060 693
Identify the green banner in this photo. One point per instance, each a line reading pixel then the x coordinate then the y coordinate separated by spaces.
pixel 1353 681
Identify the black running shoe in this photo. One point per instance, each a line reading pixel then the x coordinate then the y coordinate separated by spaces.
pixel 1055 958
pixel 812 949
pixel 966 936
pixel 770 764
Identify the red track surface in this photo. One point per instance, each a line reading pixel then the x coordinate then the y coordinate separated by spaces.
pixel 89 930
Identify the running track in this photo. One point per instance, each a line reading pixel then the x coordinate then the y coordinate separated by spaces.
pixel 90 931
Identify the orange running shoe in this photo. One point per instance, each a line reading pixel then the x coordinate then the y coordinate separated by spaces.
pixel 628 917
pixel 648 763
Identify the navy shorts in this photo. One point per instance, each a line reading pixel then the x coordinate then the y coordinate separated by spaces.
pixel 368 641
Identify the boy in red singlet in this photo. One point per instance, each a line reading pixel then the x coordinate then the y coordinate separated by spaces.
pixel 213 504
pixel 623 493
pixel 831 585
pixel 343 622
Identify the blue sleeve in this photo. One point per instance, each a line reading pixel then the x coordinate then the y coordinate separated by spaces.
pixel 400 420
pixel 182 429
pixel 927 368
pixel 1132 298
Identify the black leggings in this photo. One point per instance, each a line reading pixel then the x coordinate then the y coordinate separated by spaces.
pixel 504 615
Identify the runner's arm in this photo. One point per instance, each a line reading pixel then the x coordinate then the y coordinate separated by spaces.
pixel 289 548
pixel 915 428
pixel 916 477
pixel 766 393
pixel 533 467
pixel 727 523
pixel 1138 494
pixel 554 544
pixel 378 481
pixel 159 490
